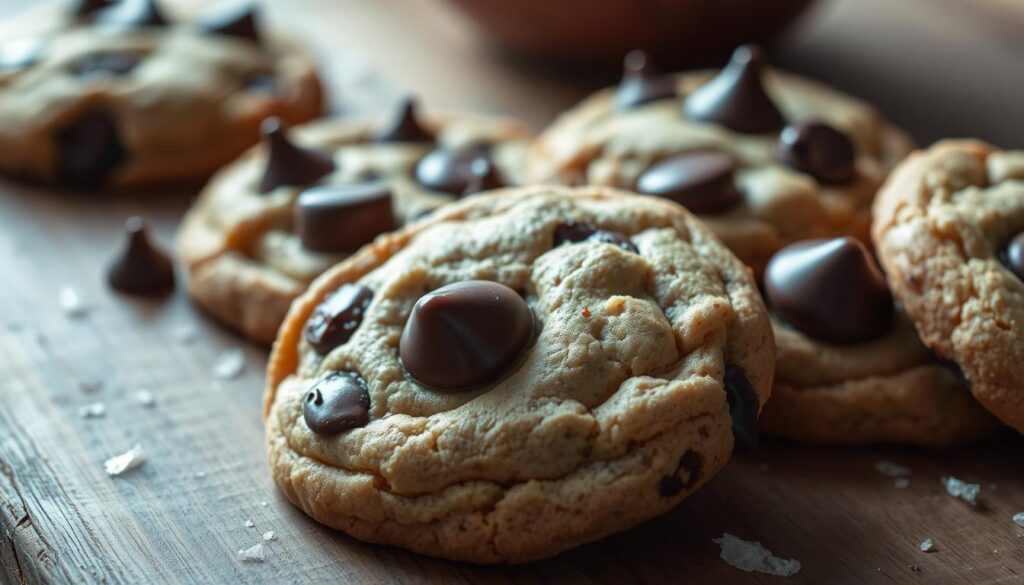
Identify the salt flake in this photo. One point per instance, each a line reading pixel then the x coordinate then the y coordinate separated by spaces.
pixel 269 535
pixel 253 554
pixel 249 524
pixel 185 334
pixel 145 398
pixel 752 557
pixel 125 462
pixel 71 303
pixel 967 492
pixel 1019 518
pixel 229 364
pixel 94 410
pixel 890 469
pixel 927 546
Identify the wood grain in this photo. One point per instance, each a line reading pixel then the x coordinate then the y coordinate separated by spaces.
pixel 182 516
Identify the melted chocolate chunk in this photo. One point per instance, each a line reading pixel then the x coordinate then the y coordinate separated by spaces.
pixel 87 7
pixel 450 171
pixel 338 402
pixel 140 268
pixel 642 83
pixel 831 290
pixel 572 232
pixel 405 127
pixel 701 181
pixel 131 14
pixel 337 317
pixel 233 19
pixel 819 150
pixel 687 474
pixel 736 97
pixel 743 408
pixel 288 164
pixel 106 62
pixel 464 335
pixel 88 149
pixel 484 176
pixel 341 218
pixel 1013 255
pixel 15 55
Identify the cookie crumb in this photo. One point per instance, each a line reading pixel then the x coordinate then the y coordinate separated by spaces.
pixel 230 364
pixel 752 557
pixel 1019 519
pixel 71 302
pixel 901 483
pixel 890 469
pixel 249 524
pixel 125 462
pixel 264 504
pixel 253 554
pixel 967 492
pixel 94 410
pixel 269 535
pixel 145 398
pixel 927 546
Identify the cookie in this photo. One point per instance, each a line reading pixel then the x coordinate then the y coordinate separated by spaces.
pixel 268 224
pixel 850 367
pixel 120 94
pixel 521 373
pixel 764 157
pixel 948 233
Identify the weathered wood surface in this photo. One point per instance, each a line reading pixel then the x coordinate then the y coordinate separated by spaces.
pixel 182 516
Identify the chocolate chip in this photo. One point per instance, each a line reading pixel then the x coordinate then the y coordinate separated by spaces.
pixel 465 334
pixel 337 317
pixel 642 83
pixel 701 181
pixel 233 19
pixel 743 408
pixel 140 268
pixel 15 55
pixel 831 290
pixel 690 464
pixel 405 127
pixel 449 170
pixel 1013 255
pixel 263 82
pixel 572 232
pixel 736 97
pixel 131 14
pixel 87 7
pixel 819 150
pixel 88 149
pixel 338 402
pixel 288 164
pixel 106 62
pixel 484 176
pixel 341 218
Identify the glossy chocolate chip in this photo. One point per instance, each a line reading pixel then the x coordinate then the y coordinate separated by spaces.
pixel 338 402
pixel 337 317
pixel 464 335
pixel 234 19
pixel 15 55
pixel 484 176
pixel 736 97
pixel 106 62
pixel 341 218
pixel 88 149
pixel 688 472
pixel 131 14
pixel 1013 255
pixel 88 7
pixel 289 164
pixel 571 232
pixel 831 290
pixel 642 83
pixel 701 181
pixel 405 126
pixel 819 150
pixel 743 408
pixel 140 268
pixel 449 170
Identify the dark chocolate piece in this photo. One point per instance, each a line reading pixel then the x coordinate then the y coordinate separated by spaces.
pixel 701 181
pixel 106 62
pixel 338 402
pixel 289 164
pixel 484 176
pixel 405 127
pixel 337 317
pixel 688 473
pixel 449 170
pixel 341 218
pixel 88 149
pixel 234 19
pixel 642 83
pixel 819 150
pixel 1013 255
pixel 88 7
pixel 743 408
pixel 140 268
pixel 736 97
pixel 572 232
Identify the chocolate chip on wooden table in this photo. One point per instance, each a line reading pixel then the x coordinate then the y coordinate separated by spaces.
pixel 450 170
pixel 337 317
pixel 1012 255
pixel 289 164
pixel 88 149
pixel 140 268
pixel 87 7
pixel 19 54
pixel 642 83
pixel 464 335
pixel 130 14
pixel 819 150
pixel 736 97
pixel 688 473
pixel 702 181
pixel 235 19
pixel 484 176
pixel 105 62
pixel 743 408
pixel 831 290
pixel 341 218
pixel 338 402
pixel 405 126
pixel 572 232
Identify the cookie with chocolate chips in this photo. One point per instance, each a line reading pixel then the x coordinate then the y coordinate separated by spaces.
pixel 764 157
pixel 519 374
pixel 850 368
pixel 307 197
pixel 948 233
pixel 120 93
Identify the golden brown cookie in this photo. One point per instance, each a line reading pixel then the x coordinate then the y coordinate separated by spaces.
pixel 521 373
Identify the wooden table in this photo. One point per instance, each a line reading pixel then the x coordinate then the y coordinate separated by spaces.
pixel 183 515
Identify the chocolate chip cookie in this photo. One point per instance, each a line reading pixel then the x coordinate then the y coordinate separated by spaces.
pixel 521 373
pixel 271 222
pixel 948 230
pixel 118 93
pixel 764 157
pixel 851 369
